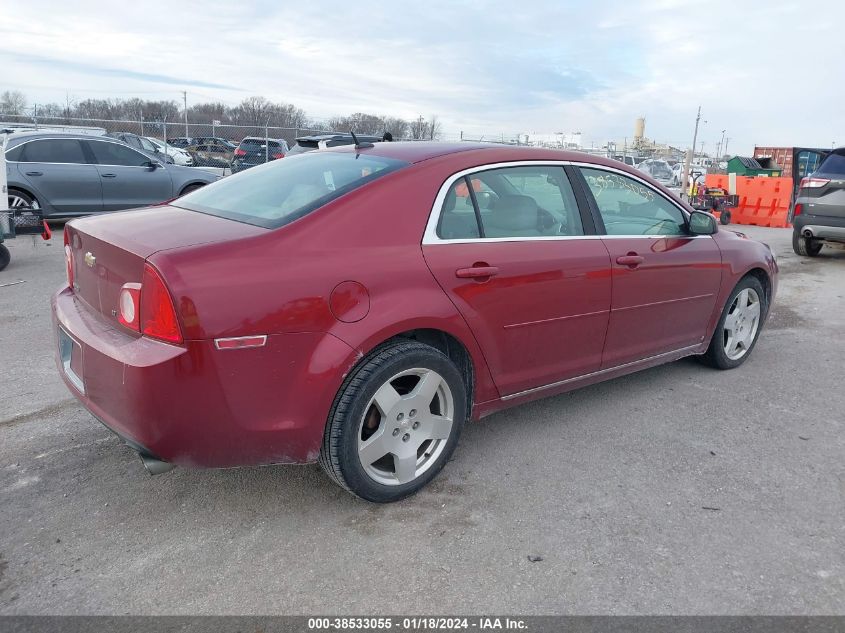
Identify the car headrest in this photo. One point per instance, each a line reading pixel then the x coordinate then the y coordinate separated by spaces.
pixel 517 213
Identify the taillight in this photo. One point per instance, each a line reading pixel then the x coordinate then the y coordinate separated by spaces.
pixel 798 209
pixel 240 152
pixel 278 155
pixel 68 260
pixel 128 304
pixel 157 312
pixel 813 183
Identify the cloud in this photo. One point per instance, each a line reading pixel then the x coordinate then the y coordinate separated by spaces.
pixel 483 66
pixel 95 70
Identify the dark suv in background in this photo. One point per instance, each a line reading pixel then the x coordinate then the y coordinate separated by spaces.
pixel 818 214
pixel 254 150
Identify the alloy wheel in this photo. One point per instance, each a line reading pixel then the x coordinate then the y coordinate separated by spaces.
pixel 405 426
pixel 18 202
pixel 741 324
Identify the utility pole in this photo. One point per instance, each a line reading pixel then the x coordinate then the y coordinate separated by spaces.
pixel 719 149
pixel 690 154
pixel 185 98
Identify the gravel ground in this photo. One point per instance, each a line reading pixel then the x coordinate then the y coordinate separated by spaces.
pixel 677 490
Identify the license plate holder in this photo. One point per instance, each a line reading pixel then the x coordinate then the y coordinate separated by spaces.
pixel 70 352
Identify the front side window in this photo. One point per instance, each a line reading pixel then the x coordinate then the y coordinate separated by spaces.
pixel 64 150
pixel 511 202
pixel 107 153
pixel 282 191
pixel 628 207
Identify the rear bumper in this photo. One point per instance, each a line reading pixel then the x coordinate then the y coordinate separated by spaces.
pixel 821 226
pixel 195 405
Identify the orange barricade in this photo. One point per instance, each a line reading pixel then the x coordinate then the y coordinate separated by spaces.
pixel 762 201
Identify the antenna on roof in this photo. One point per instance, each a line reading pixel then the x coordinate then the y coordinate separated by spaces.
pixel 359 144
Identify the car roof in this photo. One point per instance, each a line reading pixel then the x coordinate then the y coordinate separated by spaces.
pixel 259 138
pixel 418 151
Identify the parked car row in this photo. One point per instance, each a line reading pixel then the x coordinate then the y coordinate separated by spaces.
pixel 74 174
pixel 214 151
pixel 151 145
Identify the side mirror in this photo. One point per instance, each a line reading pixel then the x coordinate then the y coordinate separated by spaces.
pixel 154 164
pixel 701 223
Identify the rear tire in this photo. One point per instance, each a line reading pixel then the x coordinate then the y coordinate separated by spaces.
pixel 21 200
pixel 395 422
pixel 739 326
pixel 806 247
pixel 5 257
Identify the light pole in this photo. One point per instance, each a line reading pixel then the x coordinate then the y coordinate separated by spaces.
pixel 185 98
pixel 719 149
pixel 690 154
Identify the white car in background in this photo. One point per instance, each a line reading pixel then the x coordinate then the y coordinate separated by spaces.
pixel 179 156
pixel 695 172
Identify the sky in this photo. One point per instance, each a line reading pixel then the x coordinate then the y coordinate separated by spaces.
pixel 767 72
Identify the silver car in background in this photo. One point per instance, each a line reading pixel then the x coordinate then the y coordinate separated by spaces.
pixel 67 175
pixel 657 169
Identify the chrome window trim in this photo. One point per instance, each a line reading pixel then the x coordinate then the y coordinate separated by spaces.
pixel 430 236
pixel 65 138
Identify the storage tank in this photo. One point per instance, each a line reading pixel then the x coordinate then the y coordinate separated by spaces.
pixel 639 129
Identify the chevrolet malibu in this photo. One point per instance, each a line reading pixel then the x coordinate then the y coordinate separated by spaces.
pixel 357 305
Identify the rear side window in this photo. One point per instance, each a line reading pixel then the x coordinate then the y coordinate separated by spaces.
pixel 64 150
pixel 282 191
pixel 833 165
pixel 107 153
pixel 511 202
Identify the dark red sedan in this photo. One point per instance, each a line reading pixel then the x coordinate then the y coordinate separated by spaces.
pixel 355 306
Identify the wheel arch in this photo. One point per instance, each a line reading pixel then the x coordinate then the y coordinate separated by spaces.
pixel 26 191
pixel 763 277
pixel 193 184
pixel 459 346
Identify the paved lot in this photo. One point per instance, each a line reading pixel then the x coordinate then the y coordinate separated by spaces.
pixel 676 490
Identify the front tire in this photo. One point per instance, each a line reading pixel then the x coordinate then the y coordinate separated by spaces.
pixel 725 217
pixel 804 246
pixel 739 327
pixel 395 422
pixel 5 257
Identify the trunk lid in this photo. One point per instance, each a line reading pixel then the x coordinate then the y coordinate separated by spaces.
pixel 110 250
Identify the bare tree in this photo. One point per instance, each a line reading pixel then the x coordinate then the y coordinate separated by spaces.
pixel 13 102
pixel 434 128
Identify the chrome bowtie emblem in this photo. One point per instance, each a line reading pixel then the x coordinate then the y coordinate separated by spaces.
pixel 90 260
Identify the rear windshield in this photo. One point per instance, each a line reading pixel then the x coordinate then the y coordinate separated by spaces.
pixel 253 144
pixel 833 165
pixel 282 191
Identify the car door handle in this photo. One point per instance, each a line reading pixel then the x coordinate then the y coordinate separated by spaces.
pixel 476 272
pixel 631 260
pixel 109 175
pixel 35 173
